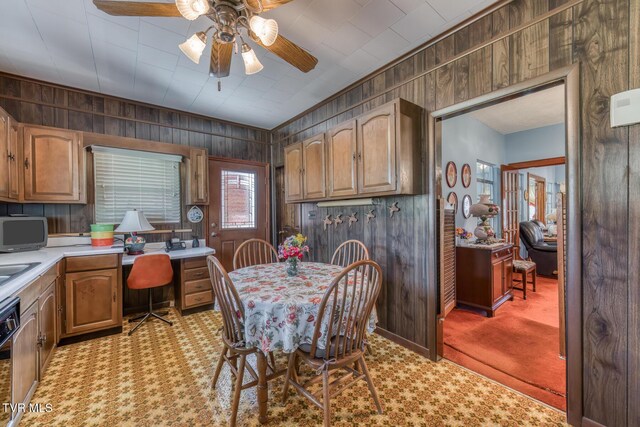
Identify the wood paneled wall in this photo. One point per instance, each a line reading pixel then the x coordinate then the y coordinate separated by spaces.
pixel 541 36
pixel 39 103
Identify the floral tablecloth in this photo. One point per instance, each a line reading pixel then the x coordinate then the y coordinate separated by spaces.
pixel 281 311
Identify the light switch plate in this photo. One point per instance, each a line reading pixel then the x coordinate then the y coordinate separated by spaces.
pixel 625 108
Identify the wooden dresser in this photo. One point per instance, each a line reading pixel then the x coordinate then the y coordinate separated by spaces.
pixel 484 276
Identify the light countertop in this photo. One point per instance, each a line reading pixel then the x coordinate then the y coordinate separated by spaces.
pixel 49 256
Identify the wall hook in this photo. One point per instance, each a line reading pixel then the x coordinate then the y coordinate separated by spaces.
pixel 353 218
pixel 327 221
pixel 338 220
pixel 370 215
pixel 393 209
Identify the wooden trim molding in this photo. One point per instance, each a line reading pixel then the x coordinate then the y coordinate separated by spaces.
pixel 570 77
pixel 403 342
pixel 102 140
pixel 552 161
pixel 540 18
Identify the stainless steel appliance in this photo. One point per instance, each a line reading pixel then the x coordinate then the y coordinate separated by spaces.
pixel 9 324
pixel 23 233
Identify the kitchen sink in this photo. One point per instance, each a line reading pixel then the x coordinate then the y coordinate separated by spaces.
pixel 11 271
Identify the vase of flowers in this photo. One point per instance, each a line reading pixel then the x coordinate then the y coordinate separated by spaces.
pixel 291 251
pixel 462 236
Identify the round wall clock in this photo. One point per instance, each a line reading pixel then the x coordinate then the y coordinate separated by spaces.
pixel 452 199
pixel 466 175
pixel 195 215
pixel 452 174
pixel 466 206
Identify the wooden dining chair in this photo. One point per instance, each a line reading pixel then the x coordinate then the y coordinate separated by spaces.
pixel 338 343
pixel 235 349
pixel 254 252
pixel 349 252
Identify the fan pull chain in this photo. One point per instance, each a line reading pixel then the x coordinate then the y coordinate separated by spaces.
pixel 219 85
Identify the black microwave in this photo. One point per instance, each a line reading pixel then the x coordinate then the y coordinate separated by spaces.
pixel 23 233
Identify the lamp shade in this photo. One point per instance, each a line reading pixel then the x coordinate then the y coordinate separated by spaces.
pixel 265 29
pixel 194 46
pixel 251 63
pixel 134 221
pixel 191 9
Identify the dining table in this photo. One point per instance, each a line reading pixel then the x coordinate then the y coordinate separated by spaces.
pixel 281 311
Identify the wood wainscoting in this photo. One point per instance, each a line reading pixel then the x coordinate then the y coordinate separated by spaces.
pixel 515 42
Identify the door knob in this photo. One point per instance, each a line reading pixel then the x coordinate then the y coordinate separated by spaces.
pixel 213 224
pixel 214 234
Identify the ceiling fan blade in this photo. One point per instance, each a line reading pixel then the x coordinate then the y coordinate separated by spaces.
pixel 220 59
pixel 290 52
pixel 267 4
pixel 132 8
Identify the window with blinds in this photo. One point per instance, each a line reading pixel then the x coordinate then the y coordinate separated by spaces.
pixel 128 179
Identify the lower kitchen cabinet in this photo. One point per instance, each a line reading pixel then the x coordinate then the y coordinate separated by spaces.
pixel 92 301
pixel 47 321
pixel 193 287
pixel 25 356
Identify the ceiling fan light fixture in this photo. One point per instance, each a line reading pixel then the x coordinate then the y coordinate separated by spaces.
pixel 251 63
pixel 265 29
pixel 194 46
pixel 192 9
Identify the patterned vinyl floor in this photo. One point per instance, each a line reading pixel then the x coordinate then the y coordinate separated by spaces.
pixel 161 377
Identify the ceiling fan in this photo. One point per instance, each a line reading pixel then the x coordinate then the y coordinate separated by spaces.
pixel 230 19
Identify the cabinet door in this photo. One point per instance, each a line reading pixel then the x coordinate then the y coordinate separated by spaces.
pixel 53 165
pixel 5 157
pixel 314 164
pixel 92 300
pixel 293 172
pixel 497 280
pixel 25 356
pixel 14 159
pixel 376 137
pixel 47 318
pixel 342 152
pixel 507 273
pixel 199 177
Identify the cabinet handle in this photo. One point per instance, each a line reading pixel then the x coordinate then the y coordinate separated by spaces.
pixel 114 297
pixel 26 163
pixel 11 156
pixel 354 156
pixel 360 156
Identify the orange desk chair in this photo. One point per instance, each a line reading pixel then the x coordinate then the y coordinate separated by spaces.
pixel 148 272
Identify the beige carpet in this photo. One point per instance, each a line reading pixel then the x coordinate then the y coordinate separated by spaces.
pixel 161 377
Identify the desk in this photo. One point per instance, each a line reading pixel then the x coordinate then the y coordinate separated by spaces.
pixel 191 286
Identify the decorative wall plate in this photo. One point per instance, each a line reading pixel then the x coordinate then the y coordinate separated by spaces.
pixel 466 206
pixel 452 199
pixel 195 215
pixel 451 173
pixel 466 175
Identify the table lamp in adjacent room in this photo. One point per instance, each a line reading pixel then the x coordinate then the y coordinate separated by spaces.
pixel 484 210
pixel 132 223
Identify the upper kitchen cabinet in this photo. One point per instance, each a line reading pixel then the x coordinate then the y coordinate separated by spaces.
pixel 9 157
pixel 198 173
pixel 342 164
pixel 5 156
pixel 293 173
pixel 314 178
pixel 377 154
pixel 54 165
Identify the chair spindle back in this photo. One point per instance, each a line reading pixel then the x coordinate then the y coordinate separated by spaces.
pixel 349 252
pixel 228 300
pixel 345 309
pixel 254 252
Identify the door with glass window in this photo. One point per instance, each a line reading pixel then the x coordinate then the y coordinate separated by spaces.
pixel 238 206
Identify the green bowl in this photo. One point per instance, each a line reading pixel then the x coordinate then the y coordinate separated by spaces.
pixel 101 227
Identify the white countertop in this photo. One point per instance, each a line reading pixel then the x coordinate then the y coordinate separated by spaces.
pixel 49 256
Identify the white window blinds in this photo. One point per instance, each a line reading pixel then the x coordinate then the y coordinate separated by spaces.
pixel 128 179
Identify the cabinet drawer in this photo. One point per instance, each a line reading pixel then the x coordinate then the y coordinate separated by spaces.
pixel 199 298
pixel 502 253
pixel 196 274
pixel 194 286
pixel 93 262
pixel 195 263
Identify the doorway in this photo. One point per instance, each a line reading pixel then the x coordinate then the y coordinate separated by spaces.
pixel 238 205
pixel 567 79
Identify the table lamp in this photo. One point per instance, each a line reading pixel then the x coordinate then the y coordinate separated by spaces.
pixel 133 222
pixel 484 210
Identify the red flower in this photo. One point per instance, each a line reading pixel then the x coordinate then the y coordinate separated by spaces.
pixel 291 317
pixel 310 318
pixel 251 304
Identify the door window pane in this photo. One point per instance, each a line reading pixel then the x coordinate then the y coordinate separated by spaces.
pixel 238 200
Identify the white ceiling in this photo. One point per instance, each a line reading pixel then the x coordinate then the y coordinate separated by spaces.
pixel 72 43
pixel 538 109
